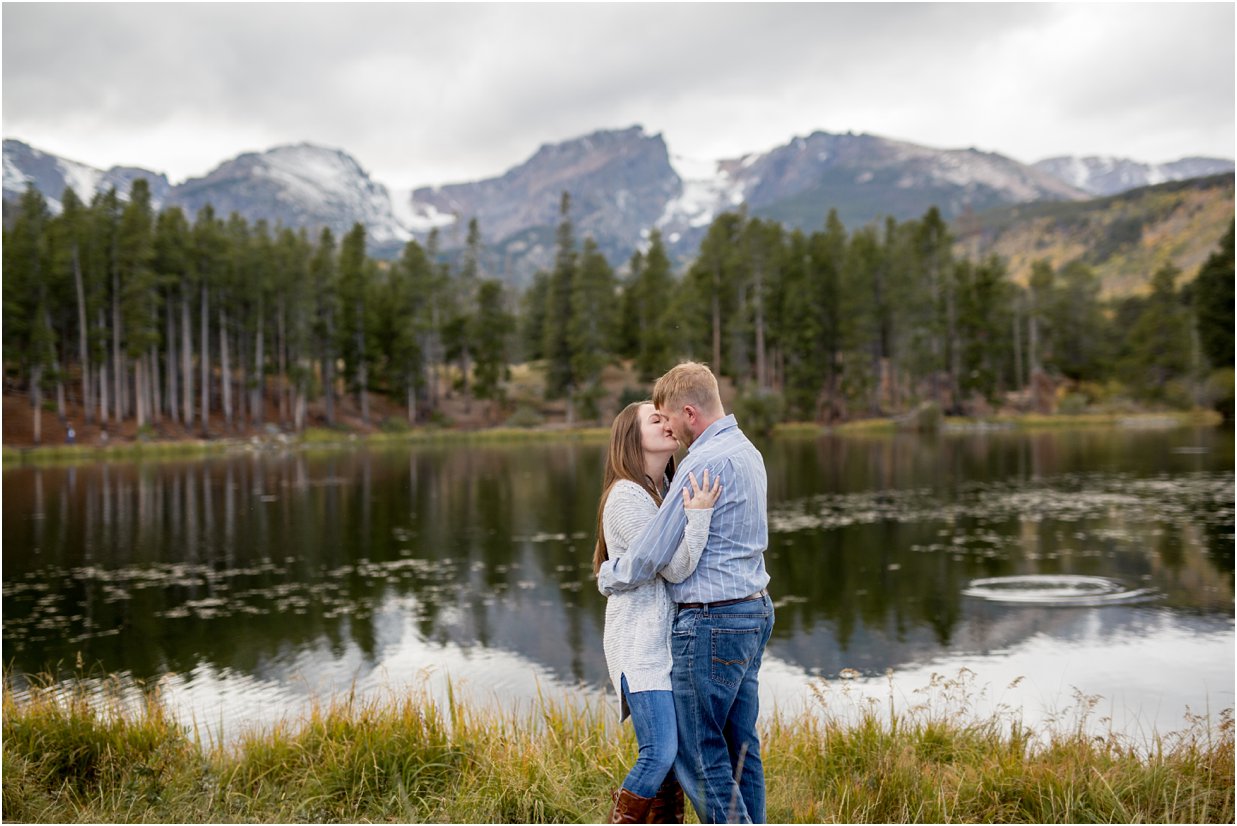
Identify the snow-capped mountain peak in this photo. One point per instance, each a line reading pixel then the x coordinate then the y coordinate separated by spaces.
pixel 708 189
pixel 298 185
pixel 1108 175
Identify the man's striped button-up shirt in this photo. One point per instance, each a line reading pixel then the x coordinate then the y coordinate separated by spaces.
pixel 732 565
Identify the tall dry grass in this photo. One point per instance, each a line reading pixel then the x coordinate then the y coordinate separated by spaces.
pixel 67 758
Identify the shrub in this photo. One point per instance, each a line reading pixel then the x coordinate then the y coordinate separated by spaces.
pixel 1072 404
pixel 758 411
pixel 525 416
pixel 632 394
pixel 396 425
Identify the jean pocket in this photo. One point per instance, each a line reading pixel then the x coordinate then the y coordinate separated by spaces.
pixel 732 650
pixel 684 623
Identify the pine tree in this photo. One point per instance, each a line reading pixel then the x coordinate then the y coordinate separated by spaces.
pixel 710 296
pixel 984 300
pixel 556 330
pixel 1075 319
pixel 933 263
pixel 1213 304
pixel 171 263
pixel 209 263
pixel 491 331
pixel 1158 341
pixel 409 322
pixel 650 325
pixel 69 238
pixel 294 317
pixel 27 330
pixel 532 321
pixel 323 275
pixel 868 327
pixel 627 331
pixel 591 324
pixel 1040 302
pixel 139 297
pixel 463 302
pixel 353 289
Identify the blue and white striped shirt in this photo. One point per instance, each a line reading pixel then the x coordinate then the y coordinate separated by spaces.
pixel 733 563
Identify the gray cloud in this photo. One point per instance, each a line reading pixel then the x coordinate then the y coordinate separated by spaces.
pixel 429 93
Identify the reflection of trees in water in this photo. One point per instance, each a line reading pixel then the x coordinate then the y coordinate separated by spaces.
pixel 242 561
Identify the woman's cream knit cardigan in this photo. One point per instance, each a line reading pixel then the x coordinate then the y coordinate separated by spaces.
pixel 637 633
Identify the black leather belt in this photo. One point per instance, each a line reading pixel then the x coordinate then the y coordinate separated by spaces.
pixel 761 594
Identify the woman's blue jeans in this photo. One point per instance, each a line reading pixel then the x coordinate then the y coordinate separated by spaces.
pixel 652 715
pixel 717 655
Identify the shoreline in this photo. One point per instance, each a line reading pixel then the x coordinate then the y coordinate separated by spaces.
pixel 327 440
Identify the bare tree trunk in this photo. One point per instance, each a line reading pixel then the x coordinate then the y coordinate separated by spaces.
pixel 104 405
pixel 299 410
pixel 281 348
pixel 225 377
pixel 328 379
pixel 117 368
pixel 951 342
pixel 412 400
pixel 173 392
pixel 241 379
pixel 1018 383
pixel 36 399
pixel 83 349
pixel 139 407
pixel 186 360
pixel 204 357
pixel 156 395
pixel 1033 338
pixel 328 386
pixel 259 398
pixel 255 403
pixel 762 370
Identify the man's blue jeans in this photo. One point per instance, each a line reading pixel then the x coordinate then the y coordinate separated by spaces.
pixel 652 716
pixel 717 654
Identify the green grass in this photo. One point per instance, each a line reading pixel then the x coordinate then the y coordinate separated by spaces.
pixel 69 454
pixel 402 758
pixel 313 439
pixel 326 439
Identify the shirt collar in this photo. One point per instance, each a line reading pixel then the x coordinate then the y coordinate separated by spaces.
pixel 724 423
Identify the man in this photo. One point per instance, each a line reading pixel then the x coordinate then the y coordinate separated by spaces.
pixel 724 616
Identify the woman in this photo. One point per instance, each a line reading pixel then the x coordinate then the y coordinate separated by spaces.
pixel 639 466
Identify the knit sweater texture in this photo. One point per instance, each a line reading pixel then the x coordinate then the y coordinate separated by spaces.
pixel 638 622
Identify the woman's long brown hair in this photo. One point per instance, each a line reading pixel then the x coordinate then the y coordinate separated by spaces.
pixel 625 460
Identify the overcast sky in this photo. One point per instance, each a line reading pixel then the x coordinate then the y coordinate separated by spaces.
pixel 425 93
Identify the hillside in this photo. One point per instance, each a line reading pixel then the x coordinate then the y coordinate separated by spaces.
pixel 1125 237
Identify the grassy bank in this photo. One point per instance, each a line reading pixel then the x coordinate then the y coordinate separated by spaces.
pixel 404 759
pixel 1030 421
pixel 325 439
pixel 313 439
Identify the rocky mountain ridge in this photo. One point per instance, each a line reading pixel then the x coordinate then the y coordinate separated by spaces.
pixel 623 183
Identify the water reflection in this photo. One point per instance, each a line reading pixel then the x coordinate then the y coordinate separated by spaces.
pixel 259 576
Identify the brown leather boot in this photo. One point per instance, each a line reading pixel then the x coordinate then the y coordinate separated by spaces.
pixel 668 804
pixel 629 808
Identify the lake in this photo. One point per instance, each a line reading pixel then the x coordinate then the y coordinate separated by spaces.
pixel 1047 572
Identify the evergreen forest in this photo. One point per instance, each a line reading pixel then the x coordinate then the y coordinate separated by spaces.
pixel 188 325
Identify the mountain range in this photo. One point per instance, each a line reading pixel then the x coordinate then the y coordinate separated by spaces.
pixel 623 184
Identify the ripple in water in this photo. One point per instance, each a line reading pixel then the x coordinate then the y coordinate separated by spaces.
pixel 1064 590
